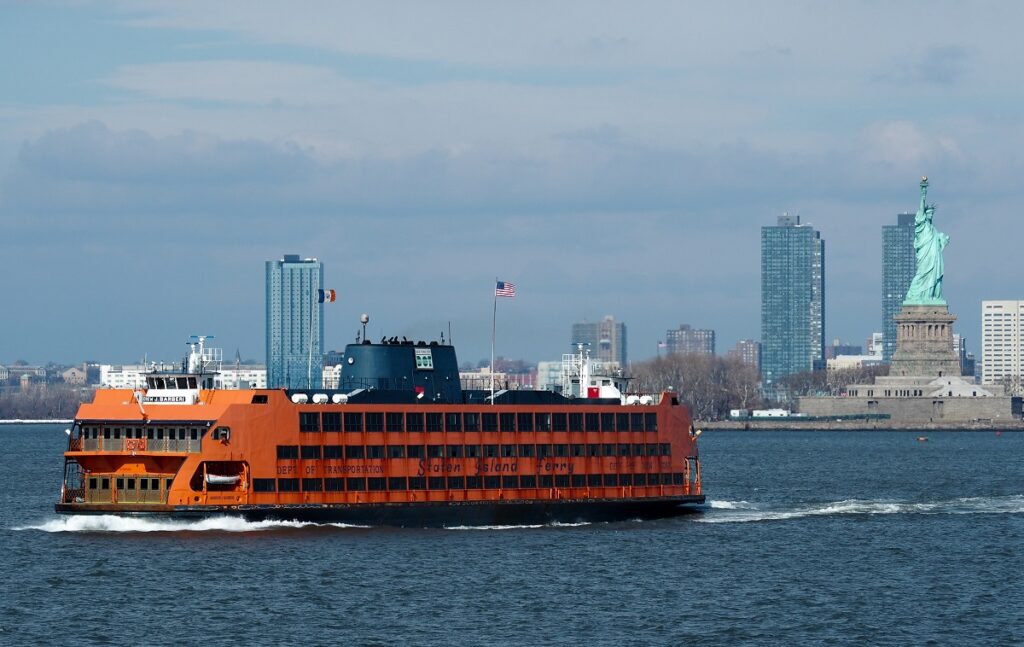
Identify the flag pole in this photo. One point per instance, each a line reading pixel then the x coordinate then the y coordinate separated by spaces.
pixel 494 327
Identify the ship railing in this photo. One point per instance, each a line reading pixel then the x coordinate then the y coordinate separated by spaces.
pixel 75 444
pixel 179 445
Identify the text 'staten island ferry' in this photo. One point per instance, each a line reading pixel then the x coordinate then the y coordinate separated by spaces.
pixel 400 443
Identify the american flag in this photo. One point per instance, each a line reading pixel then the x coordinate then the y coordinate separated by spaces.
pixel 505 289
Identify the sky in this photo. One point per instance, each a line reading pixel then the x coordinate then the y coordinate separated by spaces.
pixel 607 157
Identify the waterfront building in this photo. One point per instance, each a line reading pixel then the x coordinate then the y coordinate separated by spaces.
pixel 898 267
pixel 294 322
pixel 131 376
pixel 875 344
pixel 837 348
pixel 74 375
pixel 747 351
pixel 549 376
pixel 1002 357
pixel 4 374
pixel 606 339
pixel 687 340
pixel 242 376
pixel 792 300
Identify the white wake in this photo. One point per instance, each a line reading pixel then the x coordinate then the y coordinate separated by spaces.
pixel 113 523
pixel 741 511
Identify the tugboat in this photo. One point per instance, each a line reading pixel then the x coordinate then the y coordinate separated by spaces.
pixel 400 442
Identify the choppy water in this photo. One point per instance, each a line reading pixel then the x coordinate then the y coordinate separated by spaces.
pixel 839 538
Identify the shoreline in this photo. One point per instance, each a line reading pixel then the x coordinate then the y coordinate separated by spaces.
pixel 857 425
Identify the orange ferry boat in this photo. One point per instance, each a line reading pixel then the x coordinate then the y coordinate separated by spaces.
pixel 399 443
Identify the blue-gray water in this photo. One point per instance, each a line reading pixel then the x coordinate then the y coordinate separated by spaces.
pixel 811 538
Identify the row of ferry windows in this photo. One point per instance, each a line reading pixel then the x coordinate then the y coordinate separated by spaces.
pixel 357 421
pixel 103 483
pixel 151 433
pixel 401 483
pixel 312 452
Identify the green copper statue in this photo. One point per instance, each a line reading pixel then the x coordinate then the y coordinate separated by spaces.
pixel 926 288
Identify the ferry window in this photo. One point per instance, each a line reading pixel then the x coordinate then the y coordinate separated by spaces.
pixel 285 452
pixel 396 451
pixel 507 421
pixel 453 422
pixel 546 480
pixel 356 484
pixel 395 422
pixel 577 450
pixel 435 482
pixel 169 481
pixel 474 482
pixel 508 451
pixel 525 421
pixel 666 479
pixel 414 422
pixel 578 480
pixel 259 398
pixel 143 484
pixel 287 485
pixel 353 421
pixel 131 484
pixel 622 421
pixel 264 485
pixel 593 480
pixel 456 483
pixel 558 422
pixel 417 483
pixel 222 430
pixel 561 450
pixel 312 485
pixel 181 434
pixel 543 451
pixel 575 422
pixel 607 449
pixel 454 451
pixel 434 421
pixel 677 479
pixel 354 451
pixel 192 385
pixel 375 451
pixel 396 483
pixel 527 450
pixel 491 451
pixel 149 433
pixel 309 421
pixel 105 484
pixel 610 480
pixel 666 449
pixel 561 480
pixel 652 449
pixel 543 422
pixel 375 422
pixel 159 434
pixel 334 485
pixel 624 449
pixel 527 481
pixel 607 422
pixel 490 422
pixel 593 450
pixel 636 422
pixel 638 449
pixel 435 451
pixel 492 482
pixel 652 421
pixel 472 451
pixel 332 422
pixel 376 484
pixel 625 479
pixel 472 421
pixel 117 432
pixel 640 479
pixel 310 452
pixel 509 482
pixel 592 422
pixel 182 383
pixel 414 451
pixel 332 451
pixel 92 483
pixel 106 433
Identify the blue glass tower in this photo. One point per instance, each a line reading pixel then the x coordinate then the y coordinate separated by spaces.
pixel 792 301
pixel 898 267
pixel 295 323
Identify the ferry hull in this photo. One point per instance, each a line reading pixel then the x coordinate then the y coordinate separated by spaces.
pixel 425 515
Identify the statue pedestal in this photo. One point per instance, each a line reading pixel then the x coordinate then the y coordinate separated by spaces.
pixel 924 342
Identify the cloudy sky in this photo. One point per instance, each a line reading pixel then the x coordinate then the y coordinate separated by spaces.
pixel 608 157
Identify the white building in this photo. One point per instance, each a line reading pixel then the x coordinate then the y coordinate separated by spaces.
pixel 1001 353
pixel 133 376
pixel 241 377
pixel 4 374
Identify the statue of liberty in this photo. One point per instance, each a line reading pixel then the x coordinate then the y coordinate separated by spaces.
pixel 926 288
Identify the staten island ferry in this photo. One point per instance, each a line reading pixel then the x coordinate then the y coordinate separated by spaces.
pixel 400 442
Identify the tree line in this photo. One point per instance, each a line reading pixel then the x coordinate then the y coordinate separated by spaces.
pixel 42 401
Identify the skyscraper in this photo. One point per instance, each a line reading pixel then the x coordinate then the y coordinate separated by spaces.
pixel 898 267
pixel 747 351
pixel 607 339
pixel 295 324
pixel 686 339
pixel 1002 333
pixel 792 300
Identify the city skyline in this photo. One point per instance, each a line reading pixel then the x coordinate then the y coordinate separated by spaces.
pixel 155 155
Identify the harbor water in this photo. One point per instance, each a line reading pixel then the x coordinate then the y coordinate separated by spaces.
pixel 844 538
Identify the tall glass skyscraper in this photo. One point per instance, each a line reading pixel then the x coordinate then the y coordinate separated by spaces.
pixel 792 300
pixel 898 267
pixel 295 323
